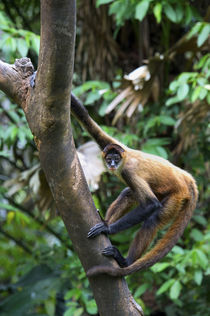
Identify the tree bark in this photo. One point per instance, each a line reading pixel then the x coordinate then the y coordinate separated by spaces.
pixel 47 109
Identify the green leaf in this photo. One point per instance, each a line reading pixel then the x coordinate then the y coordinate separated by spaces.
pixel 195 94
pixel 79 311
pixel 207 271
pixel 174 85
pixel 179 12
pixel 185 76
pixel 95 84
pixel 196 28
pixel 200 220
pixel 35 43
pixel 155 150
pixel 78 91
pixel 151 122
pixel 203 94
pixel 204 34
pixel 73 293
pixel 100 2
pixel 165 286
pixel 13 132
pixel 175 290
pixel 4 153
pixel 158 141
pixel 141 9
pixel 92 97
pixel 172 100
pixel 188 14
pixel 207 236
pixel 14 116
pixel 157 12
pixel 170 12
pixel 154 146
pixel 166 120
pixel 73 311
pixel 198 277
pixel 158 267
pixel 202 61
pixel 4 20
pixel 102 109
pixel 201 81
pixel 91 307
pixel 8 207
pixel 13 44
pixel 141 289
pixel 183 91
pixel 203 261
pixel 160 151
pixel 9 45
pixel 22 47
pixel 196 234
pixel 178 250
pixel 208 98
pixel 50 307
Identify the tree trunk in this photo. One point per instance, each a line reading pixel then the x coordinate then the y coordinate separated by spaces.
pixel 47 109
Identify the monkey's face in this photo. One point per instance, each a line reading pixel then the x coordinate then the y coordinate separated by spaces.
pixel 113 160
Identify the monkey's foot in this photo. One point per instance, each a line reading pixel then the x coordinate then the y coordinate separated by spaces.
pixel 114 252
pixel 98 229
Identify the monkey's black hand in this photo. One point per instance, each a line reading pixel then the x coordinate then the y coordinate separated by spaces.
pixel 32 80
pixel 98 229
pixel 114 252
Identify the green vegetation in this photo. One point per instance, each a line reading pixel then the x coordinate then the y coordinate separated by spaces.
pixel 39 270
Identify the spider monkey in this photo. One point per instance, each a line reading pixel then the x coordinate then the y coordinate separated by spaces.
pixel 158 194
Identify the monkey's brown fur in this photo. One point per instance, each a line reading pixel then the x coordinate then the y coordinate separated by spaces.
pixel 152 175
pixel 148 177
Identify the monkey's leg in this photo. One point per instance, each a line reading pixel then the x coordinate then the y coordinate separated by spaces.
pixel 142 240
pixel 120 206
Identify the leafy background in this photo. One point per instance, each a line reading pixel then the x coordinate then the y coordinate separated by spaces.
pixel 167 115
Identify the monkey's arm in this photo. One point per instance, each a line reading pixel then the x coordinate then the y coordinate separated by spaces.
pixel 148 205
pixel 147 211
pixel 82 115
pixel 124 202
pixel 134 217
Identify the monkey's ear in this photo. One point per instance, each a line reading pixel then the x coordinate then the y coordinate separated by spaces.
pixel 122 154
pixel 103 154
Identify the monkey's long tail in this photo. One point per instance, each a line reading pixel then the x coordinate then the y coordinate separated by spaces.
pixel 160 249
pixel 82 115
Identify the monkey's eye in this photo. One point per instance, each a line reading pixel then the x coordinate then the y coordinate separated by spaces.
pixel 108 160
pixel 117 158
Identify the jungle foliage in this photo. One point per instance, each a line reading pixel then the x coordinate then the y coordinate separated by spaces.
pixel 167 115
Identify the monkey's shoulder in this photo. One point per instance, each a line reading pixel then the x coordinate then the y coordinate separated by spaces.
pixel 143 162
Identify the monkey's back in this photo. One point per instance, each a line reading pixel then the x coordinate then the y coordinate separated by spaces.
pixel 162 176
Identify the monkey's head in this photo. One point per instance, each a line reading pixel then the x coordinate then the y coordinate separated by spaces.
pixel 113 156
